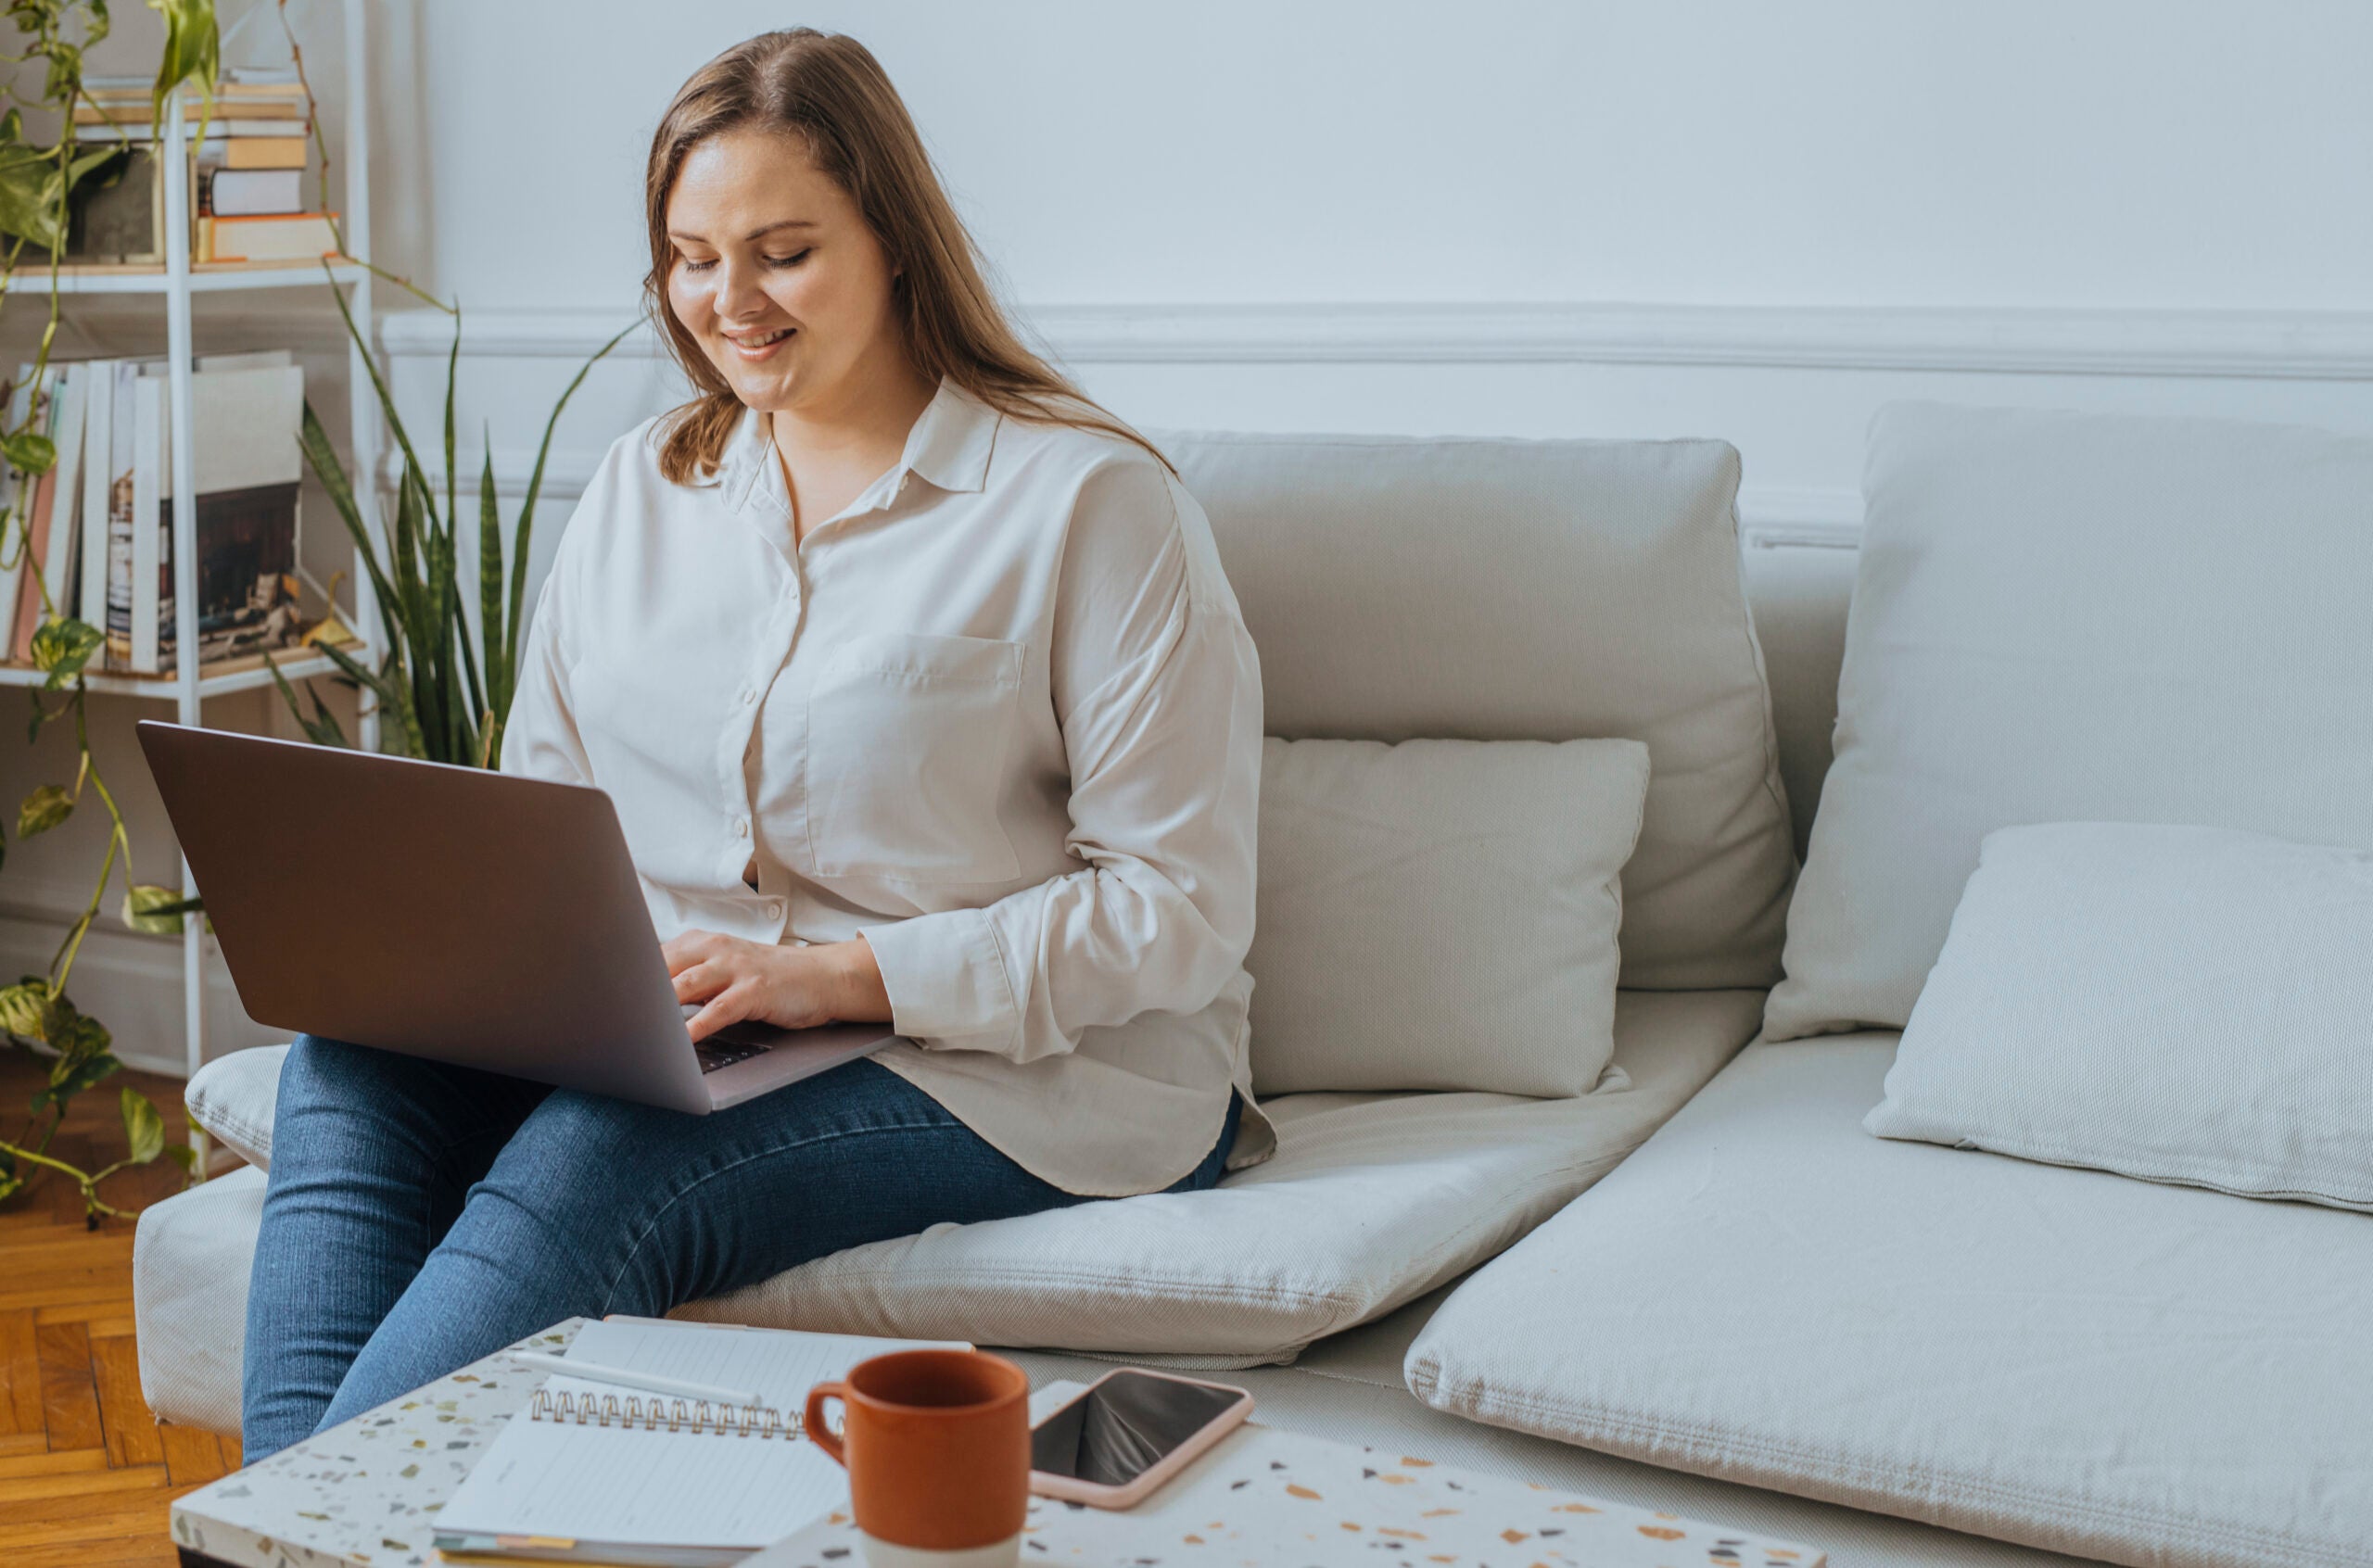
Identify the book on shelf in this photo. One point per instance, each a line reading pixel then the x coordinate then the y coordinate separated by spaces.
pixel 246 409
pixel 249 192
pixel 250 472
pixel 44 569
pixel 299 237
pixel 117 213
pixel 235 128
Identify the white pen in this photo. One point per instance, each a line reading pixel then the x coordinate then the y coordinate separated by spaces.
pixel 650 1383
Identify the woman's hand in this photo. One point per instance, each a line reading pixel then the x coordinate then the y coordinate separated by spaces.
pixel 737 981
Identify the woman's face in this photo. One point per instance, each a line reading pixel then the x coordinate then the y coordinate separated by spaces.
pixel 775 276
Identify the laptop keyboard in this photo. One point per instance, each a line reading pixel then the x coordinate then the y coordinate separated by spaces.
pixel 713 1053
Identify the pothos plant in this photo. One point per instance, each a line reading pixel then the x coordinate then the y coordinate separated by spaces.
pixel 37 183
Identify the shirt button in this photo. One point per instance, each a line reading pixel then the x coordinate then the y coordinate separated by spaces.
pixel 749 695
pixel 741 826
pixel 774 911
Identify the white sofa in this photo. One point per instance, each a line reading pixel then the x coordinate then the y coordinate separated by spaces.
pixel 1764 1316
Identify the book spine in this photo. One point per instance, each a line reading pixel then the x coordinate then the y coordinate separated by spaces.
pixel 147 450
pixel 65 537
pixel 99 424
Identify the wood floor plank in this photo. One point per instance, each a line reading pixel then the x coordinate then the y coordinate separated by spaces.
pixel 69 1398
pixel 14 1466
pixel 77 1248
pixel 19 1372
pixel 131 1429
pixel 27 1490
pixel 97 1554
pixel 77 1520
pixel 192 1456
pixel 104 1319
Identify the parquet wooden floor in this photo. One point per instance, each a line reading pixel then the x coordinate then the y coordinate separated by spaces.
pixel 85 1472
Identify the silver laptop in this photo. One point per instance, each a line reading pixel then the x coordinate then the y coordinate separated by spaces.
pixel 455 913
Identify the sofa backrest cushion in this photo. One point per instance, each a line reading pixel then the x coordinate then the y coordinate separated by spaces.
pixel 1487 589
pixel 2062 617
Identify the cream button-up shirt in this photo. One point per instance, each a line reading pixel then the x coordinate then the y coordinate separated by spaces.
pixel 1000 715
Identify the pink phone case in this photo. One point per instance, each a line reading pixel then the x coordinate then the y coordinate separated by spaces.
pixel 1072 1489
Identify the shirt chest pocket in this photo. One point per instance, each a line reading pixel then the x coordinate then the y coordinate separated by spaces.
pixel 908 741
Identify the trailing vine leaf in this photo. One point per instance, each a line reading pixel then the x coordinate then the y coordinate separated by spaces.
pixel 70 1031
pixel 29 451
pixel 43 809
pixel 21 1006
pixel 142 1128
pixel 62 647
pixel 9 1179
pixel 192 49
pixel 155 910
pixel 69 1075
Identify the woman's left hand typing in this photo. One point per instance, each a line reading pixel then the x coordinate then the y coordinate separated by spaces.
pixel 735 980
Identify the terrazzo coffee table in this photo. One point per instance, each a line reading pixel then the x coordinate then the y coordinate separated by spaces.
pixel 367 1493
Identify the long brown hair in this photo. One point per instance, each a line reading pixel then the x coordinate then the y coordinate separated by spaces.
pixel 829 92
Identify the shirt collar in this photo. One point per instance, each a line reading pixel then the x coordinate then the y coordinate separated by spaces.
pixel 949 446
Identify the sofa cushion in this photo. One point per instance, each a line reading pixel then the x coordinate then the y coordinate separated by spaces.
pixel 1441 914
pixel 2070 1359
pixel 232 1098
pixel 2182 1004
pixel 2077 617
pixel 1530 590
pixel 190 1257
pixel 1369 1202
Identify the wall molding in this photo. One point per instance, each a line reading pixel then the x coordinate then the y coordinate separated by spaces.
pixel 2284 345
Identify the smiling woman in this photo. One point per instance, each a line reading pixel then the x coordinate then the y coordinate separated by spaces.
pixel 922 699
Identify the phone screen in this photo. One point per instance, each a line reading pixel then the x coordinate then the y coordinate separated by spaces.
pixel 1124 1427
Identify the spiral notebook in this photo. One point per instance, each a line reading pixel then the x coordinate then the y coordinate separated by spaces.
pixel 590 1472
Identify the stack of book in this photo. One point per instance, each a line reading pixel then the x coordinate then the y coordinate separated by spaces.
pixel 98 526
pixel 250 154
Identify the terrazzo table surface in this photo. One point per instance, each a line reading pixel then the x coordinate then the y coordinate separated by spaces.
pixel 368 1493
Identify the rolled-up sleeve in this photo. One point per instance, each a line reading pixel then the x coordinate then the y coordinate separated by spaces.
pixel 539 737
pixel 1157 690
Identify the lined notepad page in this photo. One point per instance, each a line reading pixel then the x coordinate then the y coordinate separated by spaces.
pixel 633 1486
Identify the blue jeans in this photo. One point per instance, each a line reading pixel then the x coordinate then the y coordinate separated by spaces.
pixel 421 1216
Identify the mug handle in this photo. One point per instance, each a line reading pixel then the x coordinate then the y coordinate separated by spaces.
pixel 813 1422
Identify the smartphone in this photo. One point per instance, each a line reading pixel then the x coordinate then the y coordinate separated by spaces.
pixel 1127 1432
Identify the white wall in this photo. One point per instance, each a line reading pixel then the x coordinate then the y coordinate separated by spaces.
pixel 1746 219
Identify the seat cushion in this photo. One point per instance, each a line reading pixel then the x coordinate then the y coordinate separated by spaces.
pixel 1478 590
pixel 232 1098
pixel 1370 1201
pixel 2077 617
pixel 190 1259
pixel 2065 1359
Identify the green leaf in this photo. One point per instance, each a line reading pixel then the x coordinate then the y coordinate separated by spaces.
pixel 21 1007
pixel 43 809
pixel 323 728
pixel 155 910
pixel 73 1034
pixel 63 646
pixel 498 666
pixel 69 1075
pixel 184 1157
pixel 142 1128
pixel 29 451
pixel 192 49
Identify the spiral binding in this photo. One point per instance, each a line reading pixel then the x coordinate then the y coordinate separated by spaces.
pixel 654 1415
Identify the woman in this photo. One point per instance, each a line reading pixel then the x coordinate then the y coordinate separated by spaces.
pixel 922 699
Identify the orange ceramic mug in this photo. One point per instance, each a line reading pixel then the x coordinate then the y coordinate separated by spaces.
pixel 937 1448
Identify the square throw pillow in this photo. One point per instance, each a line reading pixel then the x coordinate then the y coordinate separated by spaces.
pixel 1441 914
pixel 2077 617
pixel 2183 1005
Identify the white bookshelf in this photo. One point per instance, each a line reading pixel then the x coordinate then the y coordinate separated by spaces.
pixel 176 283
